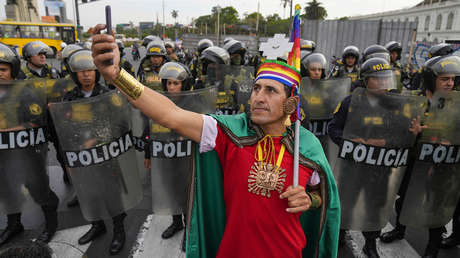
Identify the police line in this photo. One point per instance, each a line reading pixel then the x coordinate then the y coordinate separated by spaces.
pixel 99 154
pixel 373 155
pixel 22 138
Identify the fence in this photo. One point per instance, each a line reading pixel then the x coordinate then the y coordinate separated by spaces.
pixel 332 36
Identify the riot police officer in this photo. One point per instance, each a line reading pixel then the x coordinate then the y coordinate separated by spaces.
pixel 314 66
pixel 416 76
pixel 86 76
pixel 376 81
pixel 170 50
pixel 227 39
pixel 237 52
pixel 307 45
pixel 349 66
pixel 35 55
pixel 440 74
pixel 65 53
pixel 10 66
pixel 370 52
pixel 148 39
pixel 196 65
pixel 211 55
pixel 395 50
pixel 151 65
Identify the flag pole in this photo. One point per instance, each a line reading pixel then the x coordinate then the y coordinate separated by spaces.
pixel 296 64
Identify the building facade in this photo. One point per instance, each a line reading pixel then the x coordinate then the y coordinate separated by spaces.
pixel 437 20
pixel 22 10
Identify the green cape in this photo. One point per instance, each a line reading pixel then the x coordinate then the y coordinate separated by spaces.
pixel 206 211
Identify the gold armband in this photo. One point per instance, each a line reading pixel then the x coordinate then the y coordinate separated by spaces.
pixel 129 85
pixel 315 200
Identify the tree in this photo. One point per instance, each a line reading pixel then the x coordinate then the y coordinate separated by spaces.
pixel 174 14
pixel 314 11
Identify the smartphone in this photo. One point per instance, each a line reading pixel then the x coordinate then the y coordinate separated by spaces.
pixel 108 23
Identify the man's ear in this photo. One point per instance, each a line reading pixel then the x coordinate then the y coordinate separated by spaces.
pixel 290 105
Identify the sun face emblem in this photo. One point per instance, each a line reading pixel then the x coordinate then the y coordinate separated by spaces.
pixel 264 178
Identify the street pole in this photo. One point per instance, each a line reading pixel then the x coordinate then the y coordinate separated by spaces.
pixel 163 19
pixel 257 20
pixel 218 24
pixel 77 14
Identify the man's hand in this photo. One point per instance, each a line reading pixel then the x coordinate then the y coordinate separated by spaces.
pixel 416 127
pixel 101 47
pixel 298 199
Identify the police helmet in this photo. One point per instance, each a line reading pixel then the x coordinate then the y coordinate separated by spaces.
pixel 35 48
pixel 307 45
pixel 68 50
pixel 216 55
pixel 9 56
pixel 394 46
pixel 176 71
pixel 156 48
pixel 315 59
pixel 236 47
pixel 63 45
pixel 376 51
pixel 227 39
pixel 169 44
pixel 150 38
pixel 440 65
pixel 81 60
pixel 442 49
pixel 380 68
pixel 350 51
pixel 203 44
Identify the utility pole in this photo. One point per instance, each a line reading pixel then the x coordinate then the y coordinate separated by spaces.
pixel 163 19
pixel 77 14
pixel 218 25
pixel 257 20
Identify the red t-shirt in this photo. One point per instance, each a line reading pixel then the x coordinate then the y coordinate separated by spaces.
pixel 257 226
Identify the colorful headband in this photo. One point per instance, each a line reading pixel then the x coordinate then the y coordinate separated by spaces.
pixel 279 71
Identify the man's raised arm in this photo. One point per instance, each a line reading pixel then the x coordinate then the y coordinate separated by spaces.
pixel 154 105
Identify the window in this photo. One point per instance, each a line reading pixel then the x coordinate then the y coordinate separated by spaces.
pixel 416 22
pixel 450 21
pixel 30 31
pixel 68 35
pixel 9 31
pixel 427 22
pixel 438 22
pixel 50 32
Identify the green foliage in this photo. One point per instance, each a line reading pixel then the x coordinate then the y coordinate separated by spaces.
pixel 314 11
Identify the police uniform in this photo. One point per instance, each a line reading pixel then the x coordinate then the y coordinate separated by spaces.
pixel 46 72
pixel 148 76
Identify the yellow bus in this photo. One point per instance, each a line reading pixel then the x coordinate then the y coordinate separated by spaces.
pixel 17 34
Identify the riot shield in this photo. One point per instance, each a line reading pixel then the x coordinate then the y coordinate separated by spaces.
pixel 234 85
pixel 96 141
pixel 434 185
pixel 374 156
pixel 140 130
pixel 319 100
pixel 23 146
pixel 172 154
pixel 54 90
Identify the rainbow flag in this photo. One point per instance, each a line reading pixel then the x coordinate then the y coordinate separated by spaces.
pixel 294 55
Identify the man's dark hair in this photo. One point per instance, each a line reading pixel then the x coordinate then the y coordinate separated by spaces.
pixel 27 249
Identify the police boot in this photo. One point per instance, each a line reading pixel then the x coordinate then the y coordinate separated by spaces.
pixel 51 221
pixel 370 248
pixel 118 240
pixel 97 229
pixel 13 228
pixel 396 234
pixel 175 227
pixel 434 241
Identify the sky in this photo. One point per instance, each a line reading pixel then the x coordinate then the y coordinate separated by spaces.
pixel 124 11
